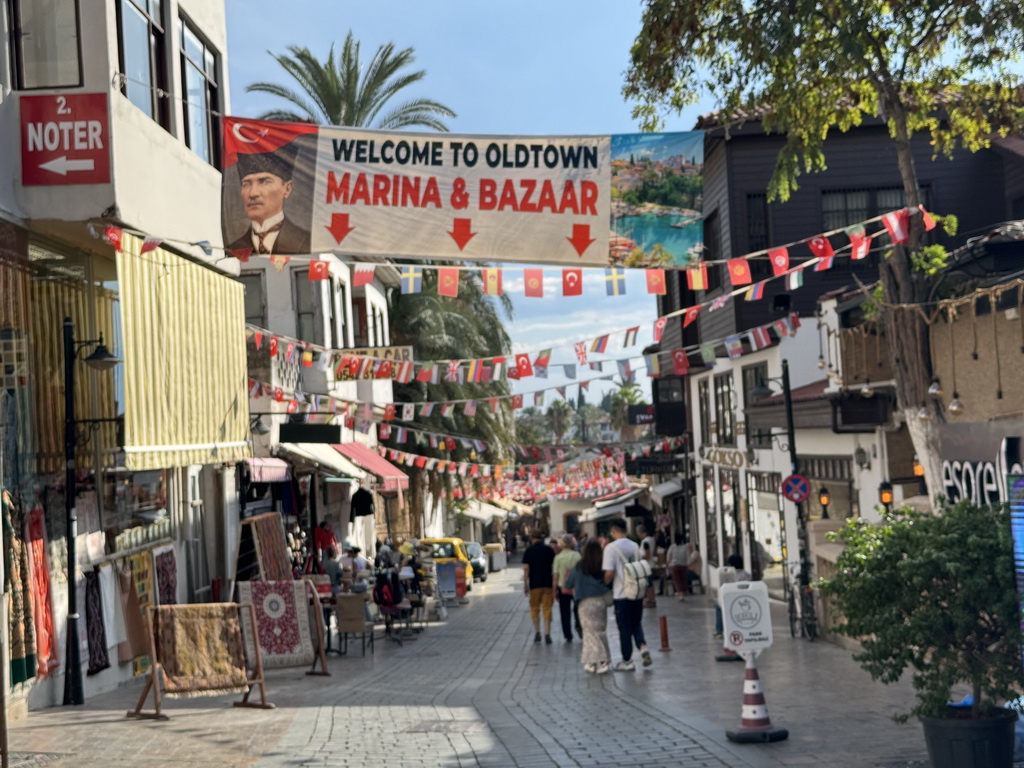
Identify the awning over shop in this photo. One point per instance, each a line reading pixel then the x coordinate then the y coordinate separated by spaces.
pixel 662 491
pixel 391 476
pixel 609 506
pixel 268 470
pixel 483 512
pixel 185 394
pixel 322 456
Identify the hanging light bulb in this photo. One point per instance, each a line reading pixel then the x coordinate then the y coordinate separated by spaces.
pixel 923 413
pixel 838 381
pixel 935 389
pixel 821 362
pixel 955 406
pixel 867 390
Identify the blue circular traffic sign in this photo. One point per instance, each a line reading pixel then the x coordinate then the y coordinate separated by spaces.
pixel 796 488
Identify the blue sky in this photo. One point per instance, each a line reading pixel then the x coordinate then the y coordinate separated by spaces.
pixel 510 68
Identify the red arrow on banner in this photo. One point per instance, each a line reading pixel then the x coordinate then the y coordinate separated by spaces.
pixel 581 238
pixel 461 232
pixel 339 226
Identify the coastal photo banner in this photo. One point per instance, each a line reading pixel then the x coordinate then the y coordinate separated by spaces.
pixel 294 188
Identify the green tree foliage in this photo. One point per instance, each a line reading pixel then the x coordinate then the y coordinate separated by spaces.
pixel 345 92
pixel 935 595
pixel 560 416
pixel 806 67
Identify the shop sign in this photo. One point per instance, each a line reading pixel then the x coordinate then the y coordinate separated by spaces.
pixel 640 414
pixel 725 458
pixel 977 460
pixel 65 139
pixel 654 465
pixel 746 616
pixel 398 354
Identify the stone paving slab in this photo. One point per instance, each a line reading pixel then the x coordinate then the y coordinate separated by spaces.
pixel 476 691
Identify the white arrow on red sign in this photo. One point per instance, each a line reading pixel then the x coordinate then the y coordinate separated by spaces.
pixel 62 165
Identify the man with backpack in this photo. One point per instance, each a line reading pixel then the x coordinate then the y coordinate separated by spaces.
pixel 625 571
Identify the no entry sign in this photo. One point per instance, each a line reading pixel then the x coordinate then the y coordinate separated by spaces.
pixel 796 488
pixel 65 139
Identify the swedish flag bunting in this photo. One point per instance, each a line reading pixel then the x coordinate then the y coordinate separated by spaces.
pixel 615 281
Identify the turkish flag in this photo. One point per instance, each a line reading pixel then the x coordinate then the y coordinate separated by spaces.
pixel 656 281
pixel 680 362
pixel 319 270
pixel 517 401
pixel 384 369
pixel 245 137
pixel 273 346
pixel 739 271
pixel 659 327
pixel 779 257
pixel 691 315
pixel 524 366
pixel 278 395
pixel 448 282
pixel 572 282
pixel 534 280
pixel 820 246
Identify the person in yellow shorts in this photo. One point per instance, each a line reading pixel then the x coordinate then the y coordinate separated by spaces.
pixel 538 582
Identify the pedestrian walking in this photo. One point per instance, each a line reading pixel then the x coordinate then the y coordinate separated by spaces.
pixel 586 579
pixel 628 613
pixel 647 553
pixel 538 580
pixel 565 561
pixel 679 566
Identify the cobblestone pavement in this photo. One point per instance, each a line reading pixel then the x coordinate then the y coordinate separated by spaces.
pixel 475 690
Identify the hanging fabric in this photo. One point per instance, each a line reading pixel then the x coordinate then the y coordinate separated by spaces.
pixel 47 659
pixel 96 632
pixel 21 626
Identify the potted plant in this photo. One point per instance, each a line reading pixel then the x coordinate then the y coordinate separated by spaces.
pixel 936 594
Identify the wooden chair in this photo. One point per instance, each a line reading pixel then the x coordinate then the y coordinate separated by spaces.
pixel 352 619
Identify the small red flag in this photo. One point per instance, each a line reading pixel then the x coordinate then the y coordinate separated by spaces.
pixel 534 280
pixel 523 366
pixel 242 254
pixel 697 277
pixel 680 362
pixel 820 246
pixel 779 258
pixel 448 282
pixel 898 224
pixel 656 281
pixel 659 327
pixel 363 275
pixel 739 271
pixel 926 219
pixel 572 282
pixel 113 235
pixel 384 370
pixel 690 316
pixel 517 401
pixel 319 270
pixel 273 346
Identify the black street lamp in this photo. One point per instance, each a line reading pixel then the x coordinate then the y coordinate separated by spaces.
pixel 885 494
pixel 824 499
pixel 101 359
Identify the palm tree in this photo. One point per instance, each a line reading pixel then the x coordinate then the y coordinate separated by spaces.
pixel 343 93
pixel 627 394
pixel 559 417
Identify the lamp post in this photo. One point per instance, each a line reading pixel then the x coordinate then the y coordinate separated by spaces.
pixel 922 487
pixel 885 494
pixel 102 360
pixel 824 499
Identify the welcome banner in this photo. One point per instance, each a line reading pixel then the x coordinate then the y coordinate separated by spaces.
pixel 586 200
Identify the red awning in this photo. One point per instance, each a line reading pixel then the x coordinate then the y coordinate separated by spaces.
pixel 268 470
pixel 393 478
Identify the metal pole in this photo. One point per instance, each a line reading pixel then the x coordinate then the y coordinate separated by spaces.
pixel 73 693
pixel 805 566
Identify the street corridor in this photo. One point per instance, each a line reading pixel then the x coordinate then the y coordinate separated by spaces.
pixel 476 690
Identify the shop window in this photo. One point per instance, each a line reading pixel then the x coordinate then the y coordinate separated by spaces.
pixel 341 319
pixel 713 250
pixel 845 207
pixel 725 410
pixel 753 377
pixel 727 482
pixel 136 509
pixel 143 52
pixel 758 236
pixel 200 94
pixel 47 44
pixel 710 514
pixel 255 298
pixel 305 314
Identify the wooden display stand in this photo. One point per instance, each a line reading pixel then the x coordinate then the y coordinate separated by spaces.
pixel 153 680
pixel 314 597
pixel 254 560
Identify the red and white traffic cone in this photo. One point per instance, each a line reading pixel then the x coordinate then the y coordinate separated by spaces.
pixel 755 725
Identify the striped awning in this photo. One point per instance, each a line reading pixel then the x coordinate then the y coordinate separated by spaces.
pixel 391 476
pixel 185 395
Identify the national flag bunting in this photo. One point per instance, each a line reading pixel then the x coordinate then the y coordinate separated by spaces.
pixel 656 281
pixel 820 246
pixel 363 275
pixel 279 261
pixel 600 344
pixel 408 411
pixel 825 262
pixel 523 366
pixel 898 225
pixel 697 277
pixel 755 292
pixel 412 279
pixel 538 398
pixel 469 408
pixel 580 348
pixel 152 243
pixel 926 219
pixel 615 281
pixel 659 328
pixel 448 282
pixel 454 372
pixel 779 258
pixel 653 366
pixel 625 371
pixel 447 408
pixel 474 370
pixel 631 334
pixel 533 280
pixel 795 280
pixel 425 410
pixel 572 282
pixel 739 272
pixel 384 369
pixel 680 362
pixel 781 327
pixel 690 315
pixel 570 370
pixel 403 374
pixel 543 359
pixel 860 242
pixel 718 302
pixel 540 371
pixel 760 338
pixel 517 401
pixel 734 347
pixel 492 281
pixel 319 270
pixel 707 353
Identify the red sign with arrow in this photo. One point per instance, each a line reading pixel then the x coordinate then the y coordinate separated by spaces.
pixel 65 139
